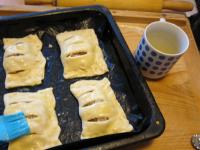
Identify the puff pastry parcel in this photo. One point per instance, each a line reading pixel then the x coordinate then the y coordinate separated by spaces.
pixel 38 108
pixel 100 112
pixel 81 55
pixel 23 62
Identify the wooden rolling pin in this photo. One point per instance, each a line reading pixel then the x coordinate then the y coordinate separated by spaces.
pixel 140 5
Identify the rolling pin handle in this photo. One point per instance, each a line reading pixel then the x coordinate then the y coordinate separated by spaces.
pixel 181 6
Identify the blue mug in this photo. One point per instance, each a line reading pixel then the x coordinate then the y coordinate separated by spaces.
pixel 161 46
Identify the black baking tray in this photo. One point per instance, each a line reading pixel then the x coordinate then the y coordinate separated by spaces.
pixel 126 80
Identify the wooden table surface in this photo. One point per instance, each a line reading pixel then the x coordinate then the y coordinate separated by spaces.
pixel 177 94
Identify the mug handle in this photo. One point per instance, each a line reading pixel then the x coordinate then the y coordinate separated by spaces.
pixel 162 20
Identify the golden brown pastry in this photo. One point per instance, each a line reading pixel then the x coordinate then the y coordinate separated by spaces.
pixel 23 62
pixel 99 109
pixel 39 109
pixel 81 55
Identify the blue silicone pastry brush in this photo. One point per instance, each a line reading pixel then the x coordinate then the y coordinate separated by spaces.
pixel 13 126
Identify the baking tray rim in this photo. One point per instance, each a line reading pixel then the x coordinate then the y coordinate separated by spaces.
pixel 157 127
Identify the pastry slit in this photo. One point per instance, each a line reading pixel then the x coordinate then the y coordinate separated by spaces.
pixel 82 69
pixel 20 102
pixel 92 102
pixel 87 92
pixel 97 119
pixel 16 72
pixel 73 42
pixel 15 54
pixel 19 43
pixel 31 116
pixel 68 38
pixel 16 44
pixel 13 103
pixel 76 54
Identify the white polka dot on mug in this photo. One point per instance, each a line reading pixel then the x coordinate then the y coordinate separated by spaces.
pixel 161 46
